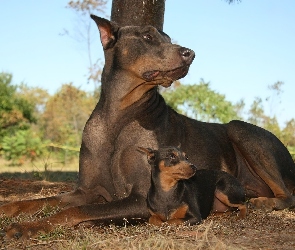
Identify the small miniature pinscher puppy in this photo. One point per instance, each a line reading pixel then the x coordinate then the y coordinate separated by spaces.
pixel 180 193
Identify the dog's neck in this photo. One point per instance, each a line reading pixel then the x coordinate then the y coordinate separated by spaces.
pixel 162 201
pixel 165 183
pixel 121 100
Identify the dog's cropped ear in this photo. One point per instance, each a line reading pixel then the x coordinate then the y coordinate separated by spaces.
pixel 167 38
pixel 107 31
pixel 149 152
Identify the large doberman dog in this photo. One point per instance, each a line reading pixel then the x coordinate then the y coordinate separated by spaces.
pixel 114 176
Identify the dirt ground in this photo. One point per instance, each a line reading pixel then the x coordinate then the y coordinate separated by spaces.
pixel 260 230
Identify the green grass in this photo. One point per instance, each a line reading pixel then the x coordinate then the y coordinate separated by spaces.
pixel 50 169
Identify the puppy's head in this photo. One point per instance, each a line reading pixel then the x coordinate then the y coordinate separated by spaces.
pixel 170 164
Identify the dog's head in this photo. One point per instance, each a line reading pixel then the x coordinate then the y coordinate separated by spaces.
pixel 144 53
pixel 169 164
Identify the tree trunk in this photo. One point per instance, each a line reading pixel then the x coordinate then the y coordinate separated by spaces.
pixel 138 12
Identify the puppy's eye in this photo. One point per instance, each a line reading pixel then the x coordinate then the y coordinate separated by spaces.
pixel 148 37
pixel 186 157
pixel 172 157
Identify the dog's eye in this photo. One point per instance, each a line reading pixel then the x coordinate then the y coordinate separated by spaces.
pixel 186 157
pixel 148 37
pixel 172 157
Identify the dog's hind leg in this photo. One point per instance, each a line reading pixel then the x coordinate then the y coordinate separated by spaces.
pixel 266 156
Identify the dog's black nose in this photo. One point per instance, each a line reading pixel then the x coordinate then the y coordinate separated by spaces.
pixel 187 55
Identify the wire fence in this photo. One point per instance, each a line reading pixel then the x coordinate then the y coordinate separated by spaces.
pixel 63 147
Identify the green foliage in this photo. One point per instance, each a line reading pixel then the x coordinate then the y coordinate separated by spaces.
pixel 202 103
pixel 288 135
pixel 36 96
pixel 25 144
pixel 15 112
pixel 6 91
pixel 64 118
pixel 60 118
pixel 258 116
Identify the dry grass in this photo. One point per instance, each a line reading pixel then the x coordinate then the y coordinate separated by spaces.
pixel 142 236
pixel 259 230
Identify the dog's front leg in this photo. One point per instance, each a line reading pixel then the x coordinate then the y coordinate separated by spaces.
pixel 131 208
pixel 193 215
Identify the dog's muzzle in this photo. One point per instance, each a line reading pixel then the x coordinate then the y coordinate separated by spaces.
pixel 187 55
pixel 165 78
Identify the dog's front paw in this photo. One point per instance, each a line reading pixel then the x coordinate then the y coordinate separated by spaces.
pixel 23 231
pixel 14 231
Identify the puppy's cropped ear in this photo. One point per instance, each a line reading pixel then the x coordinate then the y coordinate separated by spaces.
pixel 149 152
pixel 108 31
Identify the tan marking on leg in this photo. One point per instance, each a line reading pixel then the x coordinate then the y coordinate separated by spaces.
pixel 224 199
pixel 155 220
pixel 179 213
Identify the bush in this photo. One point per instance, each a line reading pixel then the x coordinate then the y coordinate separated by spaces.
pixel 25 144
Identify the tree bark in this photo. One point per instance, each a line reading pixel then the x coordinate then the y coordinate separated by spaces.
pixel 138 12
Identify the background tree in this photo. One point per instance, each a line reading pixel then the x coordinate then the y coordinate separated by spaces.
pixel 274 99
pixel 34 95
pixel 134 12
pixel 23 145
pixel 200 102
pixel 15 112
pixel 65 115
pixel 19 138
pixel 150 12
pixel 288 134
pixel 84 32
pixel 257 113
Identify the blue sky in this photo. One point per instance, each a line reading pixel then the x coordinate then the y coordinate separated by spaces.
pixel 240 48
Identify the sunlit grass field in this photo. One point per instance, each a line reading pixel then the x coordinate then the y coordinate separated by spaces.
pixel 50 169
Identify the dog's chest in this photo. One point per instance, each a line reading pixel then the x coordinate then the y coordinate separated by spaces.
pixel 129 167
pixel 171 211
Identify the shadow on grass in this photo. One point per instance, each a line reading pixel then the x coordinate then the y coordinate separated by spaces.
pixel 52 176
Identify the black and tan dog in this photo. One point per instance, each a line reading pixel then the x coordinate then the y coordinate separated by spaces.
pixel 114 176
pixel 181 194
